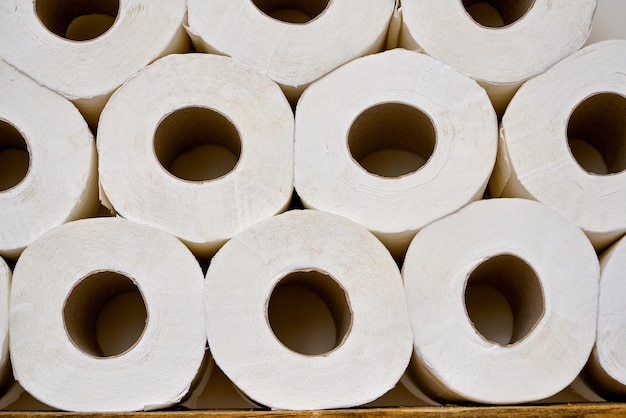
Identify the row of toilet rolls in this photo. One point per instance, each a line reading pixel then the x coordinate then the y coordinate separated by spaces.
pixel 392 141
pixel 86 50
pixel 396 140
pixel 539 262
pixel 376 141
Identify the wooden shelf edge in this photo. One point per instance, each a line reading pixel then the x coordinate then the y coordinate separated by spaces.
pixel 555 410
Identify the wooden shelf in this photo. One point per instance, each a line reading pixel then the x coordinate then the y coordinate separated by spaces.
pixel 560 410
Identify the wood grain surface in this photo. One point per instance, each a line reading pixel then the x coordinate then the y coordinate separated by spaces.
pixel 562 410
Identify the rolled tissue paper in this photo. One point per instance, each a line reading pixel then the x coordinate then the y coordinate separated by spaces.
pixel 499 43
pixel 570 152
pixel 5 365
pixel 197 145
pixel 293 42
pixel 48 172
pixel 540 264
pixel 84 50
pixel 606 371
pixel 394 141
pixel 350 271
pixel 66 287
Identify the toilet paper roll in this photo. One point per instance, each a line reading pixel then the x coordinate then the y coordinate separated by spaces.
pixel 5 366
pixel 394 141
pixel 500 44
pixel 605 371
pixel 83 49
pixel 293 42
pixel 570 152
pixel 47 162
pixel 545 268
pixel 61 285
pixel 240 126
pixel 349 270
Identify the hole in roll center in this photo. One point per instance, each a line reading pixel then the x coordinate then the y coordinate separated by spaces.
pixel 392 139
pixel 309 312
pixel 77 20
pixel 497 13
pixel 105 314
pixel 197 144
pixel 504 299
pixel 292 11
pixel 596 133
pixel 14 156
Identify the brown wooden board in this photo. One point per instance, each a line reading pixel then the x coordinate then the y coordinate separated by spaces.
pixel 561 410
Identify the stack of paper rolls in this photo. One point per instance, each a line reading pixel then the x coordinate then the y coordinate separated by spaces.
pixel 289 105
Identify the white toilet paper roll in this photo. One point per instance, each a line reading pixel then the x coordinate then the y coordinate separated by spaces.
pixel 85 49
pixel 570 152
pixel 293 42
pixel 394 141
pixel 542 264
pixel 606 371
pixel 5 366
pixel 60 285
pixel 349 270
pixel 499 43
pixel 47 162
pixel 198 145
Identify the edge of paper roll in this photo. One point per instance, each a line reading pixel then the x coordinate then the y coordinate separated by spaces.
pixel 35 123
pixel 291 81
pixel 88 97
pixel 507 182
pixel 502 90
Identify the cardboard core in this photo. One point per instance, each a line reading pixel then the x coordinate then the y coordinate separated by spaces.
pixel 292 11
pixel 309 312
pixel 197 144
pixel 14 156
pixel 105 314
pixel 596 134
pixel 497 13
pixel 392 139
pixel 77 20
pixel 504 299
